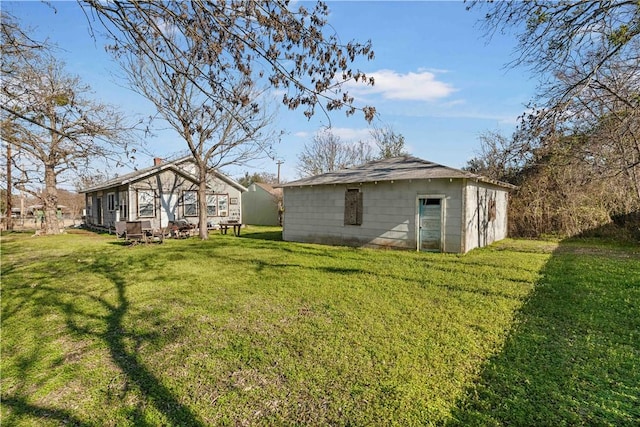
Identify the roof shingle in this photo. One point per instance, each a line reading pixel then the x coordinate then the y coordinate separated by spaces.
pixel 393 169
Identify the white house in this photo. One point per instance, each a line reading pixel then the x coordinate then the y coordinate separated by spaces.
pixel 261 204
pixel 402 202
pixel 161 193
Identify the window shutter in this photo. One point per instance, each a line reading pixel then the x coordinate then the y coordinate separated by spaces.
pixel 352 207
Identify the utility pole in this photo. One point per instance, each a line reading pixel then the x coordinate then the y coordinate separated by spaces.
pixel 279 162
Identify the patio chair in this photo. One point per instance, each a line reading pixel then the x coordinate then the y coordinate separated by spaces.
pixel 152 234
pixel 121 229
pixel 134 233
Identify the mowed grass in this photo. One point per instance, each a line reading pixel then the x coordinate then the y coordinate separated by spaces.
pixel 573 356
pixel 256 331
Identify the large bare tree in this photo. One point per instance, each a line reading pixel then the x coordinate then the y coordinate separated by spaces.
pixel 578 145
pixel 587 55
pixel 500 157
pixel 202 63
pixel 327 153
pixel 50 120
pixel 17 50
pixel 58 130
pixel 217 132
pixel 389 142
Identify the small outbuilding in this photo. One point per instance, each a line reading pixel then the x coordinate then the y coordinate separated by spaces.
pixel 262 204
pixel 166 191
pixel 401 202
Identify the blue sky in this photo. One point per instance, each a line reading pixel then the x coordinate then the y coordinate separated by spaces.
pixel 439 81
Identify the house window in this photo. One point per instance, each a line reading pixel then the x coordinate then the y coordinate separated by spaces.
pixel 353 207
pixel 99 209
pixel 223 204
pixel 111 202
pixel 146 205
pixel 212 204
pixel 124 210
pixel 89 204
pixel 190 203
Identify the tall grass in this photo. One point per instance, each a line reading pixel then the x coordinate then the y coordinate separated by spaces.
pixel 256 331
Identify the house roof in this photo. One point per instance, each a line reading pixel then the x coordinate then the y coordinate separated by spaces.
pixel 393 169
pixel 154 170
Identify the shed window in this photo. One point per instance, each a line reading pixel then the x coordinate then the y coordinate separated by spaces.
pixel 146 205
pixel 190 203
pixel 353 207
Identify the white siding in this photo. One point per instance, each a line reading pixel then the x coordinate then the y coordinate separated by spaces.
pixel 259 206
pixel 164 183
pixel 234 212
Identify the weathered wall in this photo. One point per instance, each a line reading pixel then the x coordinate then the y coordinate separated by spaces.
pixel 316 214
pixel 485 214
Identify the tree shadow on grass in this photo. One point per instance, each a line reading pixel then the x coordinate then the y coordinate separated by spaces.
pixel 273 235
pixel 572 358
pixel 21 407
pixel 115 335
pixel 128 361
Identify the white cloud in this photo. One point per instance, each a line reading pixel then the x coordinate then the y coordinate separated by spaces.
pixel 422 85
pixel 345 134
pixel 503 118
pixel 350 134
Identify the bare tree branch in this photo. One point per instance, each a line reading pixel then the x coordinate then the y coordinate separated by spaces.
pixel 262 40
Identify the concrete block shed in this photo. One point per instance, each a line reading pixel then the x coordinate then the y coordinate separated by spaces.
pixel 401 202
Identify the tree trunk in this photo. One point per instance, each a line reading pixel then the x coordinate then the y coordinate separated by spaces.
pixel 202 202
pixel 49 197
pixel 9 215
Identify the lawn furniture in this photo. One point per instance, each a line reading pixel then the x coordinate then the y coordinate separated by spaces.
pixel 181 228
pixel 142 232
pixel 224 226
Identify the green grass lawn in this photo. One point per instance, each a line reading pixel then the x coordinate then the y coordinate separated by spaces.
pixel 256 331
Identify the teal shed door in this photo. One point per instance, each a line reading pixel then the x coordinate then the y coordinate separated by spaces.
pixel 430 217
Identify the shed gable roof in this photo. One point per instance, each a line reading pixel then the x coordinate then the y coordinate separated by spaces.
pixel 393 169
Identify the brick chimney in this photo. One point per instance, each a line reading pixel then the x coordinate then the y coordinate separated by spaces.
pixel 157 161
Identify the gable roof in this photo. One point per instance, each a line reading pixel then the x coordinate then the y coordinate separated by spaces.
pixel 154 170
pixel 276 192
pixel 393 169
